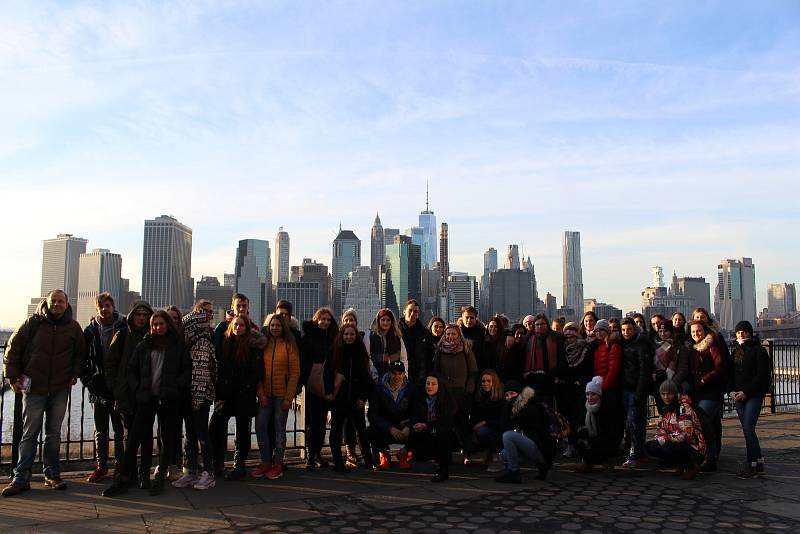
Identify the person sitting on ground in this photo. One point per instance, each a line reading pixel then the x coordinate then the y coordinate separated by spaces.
pixel 486 419
pixel 599 437
pixel 432 426
pixel 679 439
pixel 390 409
pixel 527 434
pixel 575 372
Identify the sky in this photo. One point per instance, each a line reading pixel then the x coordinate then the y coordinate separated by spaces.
pixel 666 133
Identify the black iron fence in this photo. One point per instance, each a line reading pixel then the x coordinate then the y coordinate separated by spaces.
pixel 77 443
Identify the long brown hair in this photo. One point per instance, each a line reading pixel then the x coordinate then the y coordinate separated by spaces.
pixel 497 392
pixel 286 334
pixel 339 345
pixel 241 344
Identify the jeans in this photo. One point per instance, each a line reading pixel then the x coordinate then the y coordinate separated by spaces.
pixel 223 411
pixel 714 411
pixel 516 444
pixel 36 409
pixel 102 414
pixel 272 413
pixel 748 411
pixel 316 421
pixel 197 431
pixel 635 422
pixel 141 434
pixel 681 454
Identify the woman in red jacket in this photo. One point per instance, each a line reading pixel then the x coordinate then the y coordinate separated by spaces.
pixel 607 355
pixel 707 368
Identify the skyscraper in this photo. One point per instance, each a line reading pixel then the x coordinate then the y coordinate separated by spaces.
pixel 444 254
pixel 416 233
pixel 377 249
pixel 100 270
pixel 220 296
pixel 462 290
pixel 311 271
pixel 252 274
pixel 388 235
pixel 281 256
pixel 61 268
pixel 167 263
pixel 696 288
pixel 403 277
pixel 362 296
pixel 489 266
pixel 512 257
pixel 511 293
pixel 346 257
pixel 304 297
pixel 527 266
pixel 427 221
pixel 781 300
pixel 572 273
pixel 735 296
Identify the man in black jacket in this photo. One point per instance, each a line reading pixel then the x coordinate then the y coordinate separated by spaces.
pixel 634 379
pixel 475 332
pixel 417 341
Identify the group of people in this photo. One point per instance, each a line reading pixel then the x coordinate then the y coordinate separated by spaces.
pixel 508 392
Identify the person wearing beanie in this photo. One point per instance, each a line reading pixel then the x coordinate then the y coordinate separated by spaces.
pixel 679 439
pixel 527 322
pixel 391 407
pixel 747 383
pixel 601 432
pixel 575 371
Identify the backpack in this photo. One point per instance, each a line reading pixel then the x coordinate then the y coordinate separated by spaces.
pixel 557 426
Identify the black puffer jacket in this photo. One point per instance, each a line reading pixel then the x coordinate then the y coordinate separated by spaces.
pixel 93 375
pixel 751 369
pixel 477 336
pixel 358 382
pixel 116 361
pixel 236 382
pixel 636 367
pixel 417 342
pixel 384 411
pixel 524 412
pixel 176 371
pixel 316 346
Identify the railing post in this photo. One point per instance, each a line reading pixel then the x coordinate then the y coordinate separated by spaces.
pixel 16 432
pixel 771 351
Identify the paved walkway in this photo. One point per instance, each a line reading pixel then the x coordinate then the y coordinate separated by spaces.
pixel 613 501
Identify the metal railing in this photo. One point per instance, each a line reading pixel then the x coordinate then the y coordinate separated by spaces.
pixel 77 443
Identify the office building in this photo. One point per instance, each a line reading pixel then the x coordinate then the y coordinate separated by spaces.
pixel 362 296
pixel 304 297
pixel 100 271
pixel 167 263
pixel 427 221
pixel 551 308
pixel 220 296
pixel 572 297
pixel 253 276
pixel 389 234
pixel 377 249
pixel 735 295
pixel 601 309
pixel 126 296
pixel 462 290
pixel 512 257
pixel 402 277
pixel 346 257
pixel 781 300
pixel 281 264
pixel 696 288
pixel 60 268
pixel 510 293
pixel 312 271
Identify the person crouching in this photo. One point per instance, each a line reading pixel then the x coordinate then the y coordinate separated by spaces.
pixel 602 431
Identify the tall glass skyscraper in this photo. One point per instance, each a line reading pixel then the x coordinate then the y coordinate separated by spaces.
pixel 252 274
pixel 281 256
pixel 61 267
pixel 427 221
pixel 167 263
pixel 100 270
pixel 572 273
pixel 377 250
pixel 346 257
pixel 735 296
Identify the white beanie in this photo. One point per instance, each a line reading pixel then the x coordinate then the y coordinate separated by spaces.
pixel 595 386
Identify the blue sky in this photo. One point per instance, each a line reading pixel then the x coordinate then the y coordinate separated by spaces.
pixel 666 133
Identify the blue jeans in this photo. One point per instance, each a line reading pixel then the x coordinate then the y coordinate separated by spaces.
pixel 714 411
pixel 748 411
pixel 635 422
pixel 36 409
pixel 516 444
pixel 273 410
pixel 486 438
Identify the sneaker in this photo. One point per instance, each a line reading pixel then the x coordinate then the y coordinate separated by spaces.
pixel 260 471
pixel 98 474
pixel 748 470
pixel 385 461
pixel 205 481
pixel 275 473
pixel 495 464
pixel 440 476
pixel 185 481
pixel 403 456
pixel 569 452
pixel 15 488
pixel 632 462
pixel 55 483
pixel 509 477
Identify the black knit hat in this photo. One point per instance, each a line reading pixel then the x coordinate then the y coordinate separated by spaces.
pixel 744 326
pixel 513 385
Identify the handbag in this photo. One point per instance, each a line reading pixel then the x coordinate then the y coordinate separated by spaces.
pixel 316 384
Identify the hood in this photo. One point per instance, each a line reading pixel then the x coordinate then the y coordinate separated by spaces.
pixel 293 323
pixel 44 312
pixel 195 327
pixel 526 395
pixel 310 328
pixel 135 305
pixel 94 323
pixel 705 344
pixel 385 381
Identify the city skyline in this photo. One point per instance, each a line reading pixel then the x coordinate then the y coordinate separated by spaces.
pixel 666 134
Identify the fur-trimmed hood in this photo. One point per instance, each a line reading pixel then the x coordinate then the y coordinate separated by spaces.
pixel 707 342
pixel 526 395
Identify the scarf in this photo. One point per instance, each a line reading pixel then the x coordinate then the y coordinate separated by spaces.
pixel 576 352
pixel 541 348
pixel 665 355
pixel 451 348
pixel 591 418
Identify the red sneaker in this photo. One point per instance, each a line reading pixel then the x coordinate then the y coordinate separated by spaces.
pixel 275 473
pixel 385 461
pixel 98 474
pixel 403 456
pixel 260 471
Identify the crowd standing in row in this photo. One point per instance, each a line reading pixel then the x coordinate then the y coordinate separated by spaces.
pixel 509 392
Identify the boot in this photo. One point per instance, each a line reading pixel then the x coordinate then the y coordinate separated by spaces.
pixel 351 459
pixel 157 486
pixel 117 487
pixel 237 473
pixel 441 475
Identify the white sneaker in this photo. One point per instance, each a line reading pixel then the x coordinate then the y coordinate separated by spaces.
pixel 205 482
pixel 185 481
pixel 172 472
pixel 569 452
pixel 495 464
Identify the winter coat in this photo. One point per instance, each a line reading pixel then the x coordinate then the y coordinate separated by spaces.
pixel 316 346
pixel 681 426
pixel 477 337
pixel 384 411
pixel 176 371
pixel 541 376
pixel 707 367
pixel 237 382
pixel 611 428
pixel 636 368
pixel 52 357
pixel 281 369
pixel 116 361
pixel 608 360
pixel 380 355
pixel 93 374
pixel 526 414
pixel 416 340
pixel 458 370
pixel 513 363
pixel 495 351
pixel 357 384
pixel 750 370
pixel 581 372
pixel 437 417
pixel 488 410
pixel 203 356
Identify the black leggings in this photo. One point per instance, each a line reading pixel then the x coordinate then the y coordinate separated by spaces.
pixel 218 429
pixel 348 415
pixel 141 435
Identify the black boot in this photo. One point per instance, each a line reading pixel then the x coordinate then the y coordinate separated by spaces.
pixel 543 469
pixel 238 473
pixel 158 485
pixel 441 475
pixel 144 479
pixel 117 487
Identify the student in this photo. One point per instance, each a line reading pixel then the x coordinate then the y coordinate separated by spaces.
pixel 485 421
pixel 527 434
pixel 748 382
pixel 416 340
pixel 436 327
pixel 512 365
pixel 600 435
pixel 679 439
pixel 575 372
pixel 634 382
pixel 391 407
pixel 587 324
pixel 241 368
pixel 385 343
pixel 473 331
pixel 276 390
pixel 455 366
pixel 431 427
pixel 495 345
pixel 351 361
pixel 544 355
